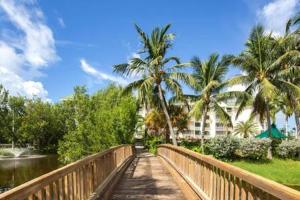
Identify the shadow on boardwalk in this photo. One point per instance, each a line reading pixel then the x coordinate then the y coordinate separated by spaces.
pixel 146 178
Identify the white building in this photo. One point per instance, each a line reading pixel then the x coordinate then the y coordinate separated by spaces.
pixel 213 125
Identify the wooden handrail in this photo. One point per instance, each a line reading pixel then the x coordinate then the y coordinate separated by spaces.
pixel 214 179
pixel 78 180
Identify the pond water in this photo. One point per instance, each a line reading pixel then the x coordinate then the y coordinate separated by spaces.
pixel 17 171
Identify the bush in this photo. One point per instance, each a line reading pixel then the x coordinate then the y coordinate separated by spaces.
pixel 192 145
pixel 289 149
pixel 152 142
pixel 4 152
pixel 222 147
pixel 254 149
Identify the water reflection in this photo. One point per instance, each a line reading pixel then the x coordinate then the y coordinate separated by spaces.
pixel 18 171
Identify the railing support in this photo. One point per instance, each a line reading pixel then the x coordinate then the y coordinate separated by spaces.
pixel 85 179
pixel 214 179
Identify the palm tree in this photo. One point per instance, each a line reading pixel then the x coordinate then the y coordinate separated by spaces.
pixel 293 22
pixel 291 72
pixel 155 120
pixel 207 82
pixel 246 129
pixel 284 104
pixel 156 70
pixel 262 63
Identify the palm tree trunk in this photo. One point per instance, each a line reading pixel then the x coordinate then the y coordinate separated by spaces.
pixel 163 104
pixel 203 127
pixel 270 156
pixel 297 115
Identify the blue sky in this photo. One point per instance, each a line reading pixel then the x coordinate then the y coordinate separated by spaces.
pixel 49 46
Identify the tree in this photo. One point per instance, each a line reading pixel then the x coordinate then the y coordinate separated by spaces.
pixel 155 120
pixel 284 104
pixel 246 129
pixel 16 113
pixel 40 127
pixel 153 66
pixel 97 122
pixel 3 114
pixel 293 22
pixel 208 82
pixel 261 63
pixel 291 72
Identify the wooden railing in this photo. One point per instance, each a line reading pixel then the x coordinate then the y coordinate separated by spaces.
pixel 77 181
pixel 212 179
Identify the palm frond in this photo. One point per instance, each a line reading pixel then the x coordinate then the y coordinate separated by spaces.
pixel 173 86
pixel 197 109
pixel 222 114
pixel 121 68
pixel 267 89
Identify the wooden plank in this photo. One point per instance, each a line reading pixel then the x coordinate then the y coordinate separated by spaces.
pixel 55 190
pixel 226 189
pixel 243 191
pixel 237 188
pixel 48 193
pixel 150 180
pixel 231 187
pixel 61 189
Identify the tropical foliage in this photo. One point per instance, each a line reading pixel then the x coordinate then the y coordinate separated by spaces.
pixel 76 126
pixel 246 129
pixel 97 122
pixel 155 121
pixel 158 72
pixel 82 124
pixel 207 80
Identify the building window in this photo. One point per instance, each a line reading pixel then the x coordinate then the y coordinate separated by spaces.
pixel 197 132
pixel 206 132
pixel 219 125
pixel 220 132
pixel 197 124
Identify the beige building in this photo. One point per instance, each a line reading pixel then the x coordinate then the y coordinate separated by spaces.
pixel 213 125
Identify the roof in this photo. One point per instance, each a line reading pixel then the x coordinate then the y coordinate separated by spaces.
pixel 275 133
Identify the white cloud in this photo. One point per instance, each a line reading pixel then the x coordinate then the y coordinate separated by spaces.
pixel 30 48
pixel 275 14
pixel 90 70
pixel 18 86
pixel 61 22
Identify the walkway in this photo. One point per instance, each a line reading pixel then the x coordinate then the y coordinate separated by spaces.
pixel 147 178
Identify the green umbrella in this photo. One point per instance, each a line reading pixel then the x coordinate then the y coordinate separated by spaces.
pixel 274 131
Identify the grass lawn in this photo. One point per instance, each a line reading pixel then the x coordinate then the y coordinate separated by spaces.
pixel 286 172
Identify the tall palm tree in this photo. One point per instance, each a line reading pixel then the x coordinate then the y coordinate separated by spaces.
pixel 246 129
pixel 262 64
pixel 207 82
pixel 291 71
pixel 293 22
pixel 159 73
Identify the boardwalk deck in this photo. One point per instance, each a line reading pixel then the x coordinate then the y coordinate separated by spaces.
pixel 147 178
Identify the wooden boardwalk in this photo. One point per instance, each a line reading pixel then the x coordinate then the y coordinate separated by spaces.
pixel 177 173
pixel 147 178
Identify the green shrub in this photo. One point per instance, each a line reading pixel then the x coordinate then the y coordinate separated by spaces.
pixel 192 145
pixel 196 149
pixel 4 152
pixel 222 147
pixel 152 142
pixel 254 149
pixel 289 149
